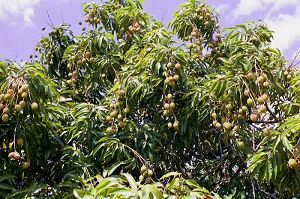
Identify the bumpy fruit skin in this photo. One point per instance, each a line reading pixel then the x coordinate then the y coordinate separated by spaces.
pixel 143 168
pixel 250 102
pixel 219 126
pixel 5 118
pixel 253 117
pixel 177 66
pixel 113 114
pixel 17 107
pixel 26 165
pixel 266 132
pixel 141 178
pixel 260 100
pixel 11 155
pixel 20 141
pixel 292 163
pixel 176 125
pixel 150 172
pixel 148 180
pixel 22 104
pixel 34 106
pixel 7 97
pixel 17 155
pixel 25 87
pixel 169 65
pixel 241 144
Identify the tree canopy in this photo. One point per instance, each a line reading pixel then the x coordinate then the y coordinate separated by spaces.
pixel 134 109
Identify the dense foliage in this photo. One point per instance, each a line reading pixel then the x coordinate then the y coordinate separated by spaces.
pixel 133 109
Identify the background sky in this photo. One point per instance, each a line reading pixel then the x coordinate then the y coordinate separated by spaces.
pixel 21 20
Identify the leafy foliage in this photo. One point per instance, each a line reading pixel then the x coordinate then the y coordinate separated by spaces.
pixel 214 108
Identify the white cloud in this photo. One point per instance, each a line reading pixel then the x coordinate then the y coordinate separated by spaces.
pixel 286 30
pixel 12 9
pixel 247 7
pixel 281 16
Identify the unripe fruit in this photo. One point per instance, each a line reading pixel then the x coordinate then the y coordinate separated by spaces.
pixel 113 114
pixel 176 125
pixel 177 66
pixel 22 103
pixel 266 132
pixel 141 178
pixel 253 117
pixel 11 155
pixel 215 122
pixel 17 107
pixel 166 112
pixel 172 105
pixel 150 172
pixel 5 118
pixel 292 163
pixel 24 95
pixel 26 165
pixel 260 100
pixel 250 102
pixel 263 108
pixel 240 117
pixel 265 84
pixel 121 124
pixel 236 128
pixel 2 97
pixel 6 110
pixel 246 93
pixel 148 180
pixel 170 125
pixel 34 106
pixel 126 110
pixel 110 129
pixel 227 125
pixel 143 169
pixel 111 105
pixel 219 126
pixel 228 106
pixel 20 141
pixel 241 144
pixel 244 108
pixel 120 116
pixel 24 87
pixel 176 78
pixel 170 96
pixel 260 79
pixel 214 115
pixel 167 106
pixel 7 97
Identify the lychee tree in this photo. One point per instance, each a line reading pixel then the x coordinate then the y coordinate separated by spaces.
pixel 218 108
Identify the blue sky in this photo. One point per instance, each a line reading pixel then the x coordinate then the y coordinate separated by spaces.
pixel 21 20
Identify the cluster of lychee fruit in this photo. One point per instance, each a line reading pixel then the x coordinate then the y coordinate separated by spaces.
pixel 116 114
pixel 293 163
pixel 171 76
pixel 16 155
pixel 145 175
pixel 14 99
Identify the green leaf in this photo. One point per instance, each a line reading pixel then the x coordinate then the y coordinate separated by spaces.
pixel 156 193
